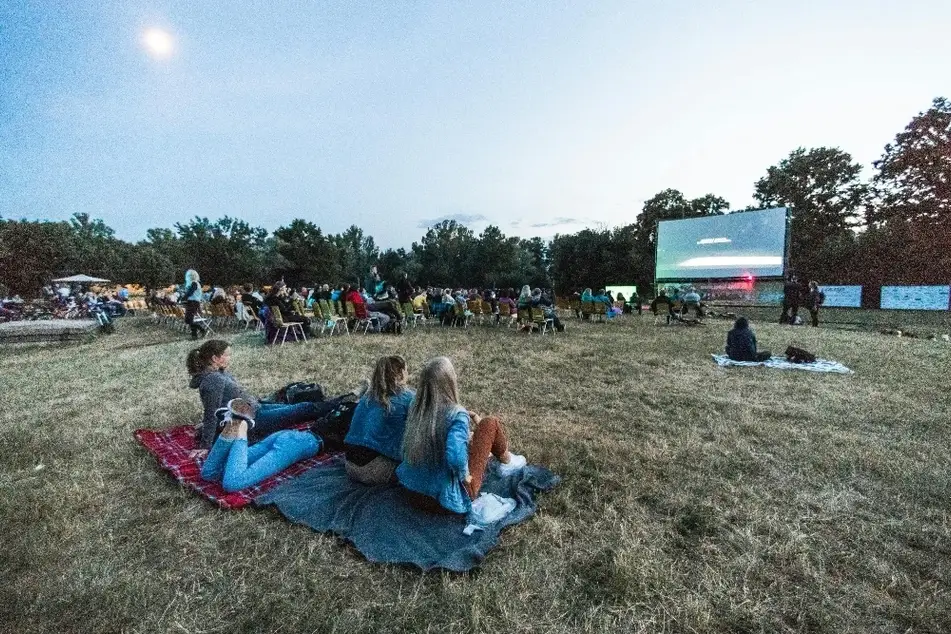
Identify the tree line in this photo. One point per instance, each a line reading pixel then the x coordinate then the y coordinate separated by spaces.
pixel 894 228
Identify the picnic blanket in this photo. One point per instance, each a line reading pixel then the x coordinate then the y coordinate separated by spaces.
pixel 172 447
pixel 380 523
pixel 820 365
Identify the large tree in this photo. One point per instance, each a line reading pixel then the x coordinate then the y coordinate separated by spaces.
pixel 443 254
pixel 227 251
pixel 913 182
pixel 33 253
pixel 827 197
pixel 307 256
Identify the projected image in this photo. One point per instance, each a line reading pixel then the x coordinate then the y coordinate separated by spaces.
pixel 737 245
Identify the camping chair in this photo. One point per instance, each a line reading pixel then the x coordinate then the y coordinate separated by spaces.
pixel 662 313
pixel 331 319
pixel 542 321
pixel 587 309
pixel 411 316
pixel 274 320
pixel 475 307
pixel 574 306
pixel 461 315
pixel 525 317
pixel 600 310
pixel 358 322
pixel 505 314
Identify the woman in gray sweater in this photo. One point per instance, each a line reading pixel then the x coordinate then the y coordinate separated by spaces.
pixel 208 367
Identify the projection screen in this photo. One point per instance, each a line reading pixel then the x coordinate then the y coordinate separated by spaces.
pixel 737 245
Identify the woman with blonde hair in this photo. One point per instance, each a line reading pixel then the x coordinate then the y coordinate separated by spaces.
pixel 446 449
pixel 193 297
pixel 374 443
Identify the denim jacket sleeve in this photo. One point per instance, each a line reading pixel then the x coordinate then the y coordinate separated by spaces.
pixel 457 444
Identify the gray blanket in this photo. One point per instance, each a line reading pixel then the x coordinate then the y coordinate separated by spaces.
pixel 381 525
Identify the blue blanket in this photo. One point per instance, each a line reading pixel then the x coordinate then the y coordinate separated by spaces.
pixel 382 526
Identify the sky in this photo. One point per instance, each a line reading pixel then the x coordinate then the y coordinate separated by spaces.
pixel 537 117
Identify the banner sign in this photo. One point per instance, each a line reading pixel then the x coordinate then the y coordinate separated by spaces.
pixel 842 296
pixel 916 297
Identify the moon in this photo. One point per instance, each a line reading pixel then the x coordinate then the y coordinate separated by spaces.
pixel 158 43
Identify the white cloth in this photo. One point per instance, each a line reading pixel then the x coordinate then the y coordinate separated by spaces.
pixel 488 509
pixel 820 365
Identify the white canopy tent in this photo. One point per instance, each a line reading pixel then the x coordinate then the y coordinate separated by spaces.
pixel 82 279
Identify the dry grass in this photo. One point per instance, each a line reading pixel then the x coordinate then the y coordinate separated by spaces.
pixel 694 499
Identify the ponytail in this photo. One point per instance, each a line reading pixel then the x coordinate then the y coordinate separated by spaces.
pixel 199 358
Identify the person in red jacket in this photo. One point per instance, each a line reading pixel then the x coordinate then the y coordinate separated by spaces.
pixel 360 309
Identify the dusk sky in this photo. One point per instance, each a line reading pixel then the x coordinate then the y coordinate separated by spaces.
pixel 539 117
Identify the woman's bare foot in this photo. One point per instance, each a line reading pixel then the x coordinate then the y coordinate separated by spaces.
pixel 235 429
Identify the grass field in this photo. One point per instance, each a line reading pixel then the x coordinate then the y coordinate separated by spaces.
pixel 694 499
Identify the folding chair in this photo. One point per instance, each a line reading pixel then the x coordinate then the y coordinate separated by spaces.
pixel 411 316
pixel 358 322
pixel 332 320
pixel 525 318
pixel 281 327
pixel 474 307
pixel 542 321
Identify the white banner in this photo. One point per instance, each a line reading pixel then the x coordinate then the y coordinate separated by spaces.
pixel 916 297
pixel 842 296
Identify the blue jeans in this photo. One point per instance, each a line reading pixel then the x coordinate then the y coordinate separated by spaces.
pixel 238 466
pixel 272 417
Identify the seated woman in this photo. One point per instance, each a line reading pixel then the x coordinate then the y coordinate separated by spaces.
pixel 238 466
pixel 290 312
pixel 540 300
pixel 374 444
pixel 445 448
pixel 741 343
pixel 361 311
pixel 207 366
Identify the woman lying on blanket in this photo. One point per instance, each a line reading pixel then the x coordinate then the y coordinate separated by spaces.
pixel 238 466
pixel 208 364
pixel 374 444
pixel 445 448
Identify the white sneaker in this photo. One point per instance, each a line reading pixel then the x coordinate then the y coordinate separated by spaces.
pixel 514 465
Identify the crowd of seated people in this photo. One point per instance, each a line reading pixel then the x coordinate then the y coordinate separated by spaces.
pixel 387 307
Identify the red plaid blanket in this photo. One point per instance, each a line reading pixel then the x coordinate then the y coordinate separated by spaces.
pixel 173 448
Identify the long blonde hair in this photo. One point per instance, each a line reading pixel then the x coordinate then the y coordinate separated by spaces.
pixel 424 441
pixel 387 379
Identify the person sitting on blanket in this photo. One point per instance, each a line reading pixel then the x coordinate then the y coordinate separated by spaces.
pixel 374 444
pixel 208 368
pixel 741 343
pixel 446 449
pixel 238 466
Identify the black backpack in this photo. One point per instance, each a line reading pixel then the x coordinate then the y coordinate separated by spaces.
pixel 798 355
pixel 334 426
pixel 298 392
pixel 304 393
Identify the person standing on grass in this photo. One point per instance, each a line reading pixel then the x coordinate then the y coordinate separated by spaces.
pixel 446 449
pixel 814 301
pixel 207 367
pixel 791 291
pixel 193 297
pixel 741 343
pixel 374 444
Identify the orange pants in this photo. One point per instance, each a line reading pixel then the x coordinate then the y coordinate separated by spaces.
pixel 488 438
